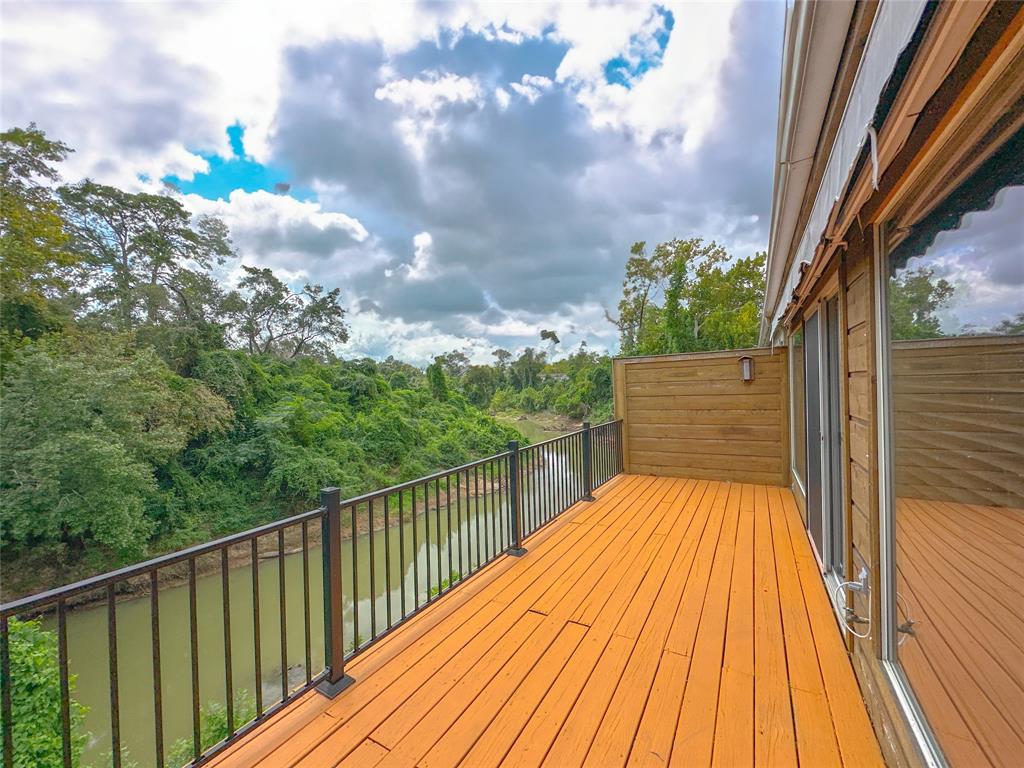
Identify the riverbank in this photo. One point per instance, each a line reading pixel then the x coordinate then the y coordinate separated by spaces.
pixel 29 574
pixel 538 426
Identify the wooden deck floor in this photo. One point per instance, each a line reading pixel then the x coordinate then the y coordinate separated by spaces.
pixel 960 572
pixel 670 621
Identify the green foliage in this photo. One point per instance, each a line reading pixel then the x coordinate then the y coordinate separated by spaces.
pixel 93 426
pixel 35 699
pixel 213 726
pixel 578 386
pixel 453 577
pixel 437 380
pixel 708 302
pixel 32 236
pixel 914 298
pixel 35 263
pixel 271 319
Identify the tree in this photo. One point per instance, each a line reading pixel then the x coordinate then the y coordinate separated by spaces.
pixel 914 298
pixel 92 427
pixel 34 259
pixel 143 253
pixel 455 363
pixel 706 307
pixel 644 278
pixel 269 318
pixel 36 699
pixel 479 384
pixel 1010 326
pixel 437 380
pixel 525 371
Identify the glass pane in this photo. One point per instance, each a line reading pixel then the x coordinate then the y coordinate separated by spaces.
pixel 956 316
pixel 796 353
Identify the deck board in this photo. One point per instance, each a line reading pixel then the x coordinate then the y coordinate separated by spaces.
pixel 670 621
pixel 960 568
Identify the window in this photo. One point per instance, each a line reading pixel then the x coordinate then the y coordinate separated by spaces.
pixel 955 315
pixel 798 439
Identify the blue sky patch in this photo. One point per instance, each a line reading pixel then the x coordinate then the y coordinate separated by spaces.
pixel 624 70
pixel 237 172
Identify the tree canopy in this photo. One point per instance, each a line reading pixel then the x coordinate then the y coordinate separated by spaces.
pixel 689 296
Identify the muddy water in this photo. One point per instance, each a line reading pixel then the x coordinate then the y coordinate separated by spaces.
pixel 406 561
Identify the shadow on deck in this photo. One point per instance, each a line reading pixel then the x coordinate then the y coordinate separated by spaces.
pixel 670 621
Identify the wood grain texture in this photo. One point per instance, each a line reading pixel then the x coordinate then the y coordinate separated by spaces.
pixel 672 621
pixel 959 573
pixel 692 416
pixel 958 411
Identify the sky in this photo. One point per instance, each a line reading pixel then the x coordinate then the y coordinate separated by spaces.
pixel 467 173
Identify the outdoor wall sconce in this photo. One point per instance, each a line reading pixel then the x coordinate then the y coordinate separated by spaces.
pixel 747 368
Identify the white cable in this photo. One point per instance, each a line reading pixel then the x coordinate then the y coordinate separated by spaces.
pixel 874 156
pixel 842 619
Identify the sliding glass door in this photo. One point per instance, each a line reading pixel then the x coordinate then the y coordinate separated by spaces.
pixel 953 405
pixel 823 430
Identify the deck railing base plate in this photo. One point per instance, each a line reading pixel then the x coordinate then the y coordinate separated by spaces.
pixel 330 690
pixel 516 551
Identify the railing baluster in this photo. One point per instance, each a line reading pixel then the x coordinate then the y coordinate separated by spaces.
pixel 401 550
pixel 426 535
pixel 415 554
pixel 355 577
pixel 283 616
pixel 373 573
pixel 193 630
pixel 566 459
pixel 306 610
pixel 437 534
pixel 488 537
pixel 335 679
pixel 448 509
pixel 158 699
pixel 488 488
pixel 115 705
pixel 225 599
pixel 65 685
pixel 476 508
pixel 387 561
pixel 256 640
pixel 5 692
pixel 458 519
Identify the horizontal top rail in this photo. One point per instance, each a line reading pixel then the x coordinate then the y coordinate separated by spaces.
pixel 42 599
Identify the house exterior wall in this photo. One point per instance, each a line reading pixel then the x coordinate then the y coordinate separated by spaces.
pixel 964 114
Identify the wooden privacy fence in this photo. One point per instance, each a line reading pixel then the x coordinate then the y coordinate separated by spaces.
pixel 692 415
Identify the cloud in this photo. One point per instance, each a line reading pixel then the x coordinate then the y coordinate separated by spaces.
pixel 293 237
pixel 468 172
pixel 531 87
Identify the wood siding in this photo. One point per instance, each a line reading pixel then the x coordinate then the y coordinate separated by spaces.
pixel 958 410
pixel 692 416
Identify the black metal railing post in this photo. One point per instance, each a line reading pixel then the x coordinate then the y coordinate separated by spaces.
pixel 588 471
pixel 514 502
pixel 620 466
pixel 335 680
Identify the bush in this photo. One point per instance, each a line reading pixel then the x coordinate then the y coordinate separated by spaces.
pixel 35 699
pixel 213 727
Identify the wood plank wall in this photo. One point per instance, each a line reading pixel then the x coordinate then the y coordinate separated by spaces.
pixel 692 416
pixel 958 408
pixel 862 500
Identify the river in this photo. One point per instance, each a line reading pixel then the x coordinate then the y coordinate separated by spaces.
pixel 480 523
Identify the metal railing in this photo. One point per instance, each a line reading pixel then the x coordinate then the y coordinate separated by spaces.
pixel 384 556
